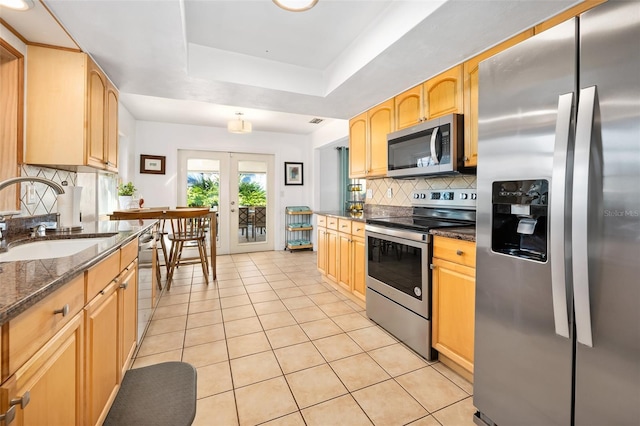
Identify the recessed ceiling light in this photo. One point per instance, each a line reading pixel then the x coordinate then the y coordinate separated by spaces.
pixel 17 4
pixel 296 5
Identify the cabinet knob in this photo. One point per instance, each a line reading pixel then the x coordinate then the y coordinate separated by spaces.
pixel 23 401
pixel 124 285
pixel 9 415
pixel 459 252
pixel 64 310
pixel 432 266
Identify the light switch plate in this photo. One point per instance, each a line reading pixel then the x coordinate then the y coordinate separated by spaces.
pixel 369 193
pixel 389 192
pixel 31 194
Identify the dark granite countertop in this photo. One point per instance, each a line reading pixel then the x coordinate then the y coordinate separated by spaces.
pixel 466 233
pixel 23 283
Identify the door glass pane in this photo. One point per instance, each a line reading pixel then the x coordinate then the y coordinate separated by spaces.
pixel 252 201
pixel 203 184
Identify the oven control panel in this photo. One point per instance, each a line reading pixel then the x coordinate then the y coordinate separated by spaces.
pixel 452 198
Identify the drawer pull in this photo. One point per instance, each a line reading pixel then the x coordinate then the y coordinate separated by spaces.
pixel 8 416
pixel 343 226
pixel 124 285
pixel 24 401
pixel 459 252
pixel 64 310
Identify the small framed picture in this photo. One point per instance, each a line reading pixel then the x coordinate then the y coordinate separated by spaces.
pixel 293 173
pixel 153 164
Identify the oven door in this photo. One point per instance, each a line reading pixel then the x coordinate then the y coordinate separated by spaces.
pixel 398 267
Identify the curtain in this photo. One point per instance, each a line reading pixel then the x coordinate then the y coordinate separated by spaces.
pixel 343 175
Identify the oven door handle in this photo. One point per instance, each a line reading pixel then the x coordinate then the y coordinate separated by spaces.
pixel 382 232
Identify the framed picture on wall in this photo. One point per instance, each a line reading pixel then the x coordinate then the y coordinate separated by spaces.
pixel 153 164
pixel 292 173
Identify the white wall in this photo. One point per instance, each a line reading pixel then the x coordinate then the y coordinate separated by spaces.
pixel 126 144
pixel 165 139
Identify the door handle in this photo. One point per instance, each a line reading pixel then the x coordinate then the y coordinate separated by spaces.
pixel 434 139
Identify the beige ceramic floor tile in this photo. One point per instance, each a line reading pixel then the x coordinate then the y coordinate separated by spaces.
pixel 257 288
pixel 454 377
pixel 247 345
pixel 310 313
pixel 324 298
pixel 162 312
pixel 359 371
pixel 276 320
pixel 174 299
pixel 232 291
pixel 315 385
pixel 175 355
pixel 227 276
pixel 459 414
pixel 206 334
pixel 286 336
pixel 287 293
pixel 254 368
pixel 242 326
pixel 387 403
pixel 431 389
pixel 338 411
pixel 371 338
pixel 209 353
pixel 254 408
pixel 219 410
pixel 238 312
pixel 213 379
pixel 230 302
pixel 248 274
pixel 298 357
pixel 167 325
pixel 161 343
pixel 313 288
pixel 320 328
pixel 279 284
pixel 426 421
pixel 298 302
pixel 204 305
pixel 337 308
pixel 352 321
pixel 253 280
pixel 397 359
pixel 272 275
pixel 229 283
pixel 269 307
pixel 263 296
pixel 203 292
pixel 336 347
pixel 204 318
pixel 294 419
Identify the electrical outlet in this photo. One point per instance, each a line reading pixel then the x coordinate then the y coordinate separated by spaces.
pixel 369 193
pixel 31 194
pixel 389 192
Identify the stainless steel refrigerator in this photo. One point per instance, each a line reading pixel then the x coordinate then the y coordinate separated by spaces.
pixel 557 339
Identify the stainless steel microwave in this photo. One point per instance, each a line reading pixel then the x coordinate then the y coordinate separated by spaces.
pixel 428 148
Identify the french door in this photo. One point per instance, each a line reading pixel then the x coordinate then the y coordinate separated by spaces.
pixel 239 187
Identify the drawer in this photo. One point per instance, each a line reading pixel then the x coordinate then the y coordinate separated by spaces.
pixel 357 229
pixel 30 330
pixel 344 225
pixel 100 275
pixel 128 254
pixel 457 251
pixel 321 221
pixel 332 223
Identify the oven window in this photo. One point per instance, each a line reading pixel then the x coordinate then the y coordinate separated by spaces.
pixel 395 264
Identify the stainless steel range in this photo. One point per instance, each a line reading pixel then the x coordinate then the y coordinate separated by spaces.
pixel 398 263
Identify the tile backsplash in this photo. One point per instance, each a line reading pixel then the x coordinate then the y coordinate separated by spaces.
pixel 401 189
pixel 45 199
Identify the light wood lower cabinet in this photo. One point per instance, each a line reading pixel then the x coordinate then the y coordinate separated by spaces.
pixel 128 315
pixel 453 300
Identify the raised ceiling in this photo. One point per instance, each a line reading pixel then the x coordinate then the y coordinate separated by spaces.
pixel 200 61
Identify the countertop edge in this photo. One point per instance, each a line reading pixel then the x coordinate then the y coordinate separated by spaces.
pixel 465 234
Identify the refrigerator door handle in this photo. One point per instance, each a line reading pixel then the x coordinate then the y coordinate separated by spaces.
pixel 558 214
pixel 580 214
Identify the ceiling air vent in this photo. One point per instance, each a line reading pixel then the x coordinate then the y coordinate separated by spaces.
pixel 316 120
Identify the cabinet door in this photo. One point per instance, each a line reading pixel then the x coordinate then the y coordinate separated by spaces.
pixel 381 123
pixel 443 94
pixel 52 379
pixel 344 261
pixel 453 311
pixel 358 265
pixel 97 87
pixel 408 108
pixel 358 146
pixel 111 128
pixel 127 315
pixel 470 70
pixel 102 366
pixel 322 250
pixel 332 254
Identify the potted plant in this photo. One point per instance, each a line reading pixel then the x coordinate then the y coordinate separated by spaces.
pixel 125 195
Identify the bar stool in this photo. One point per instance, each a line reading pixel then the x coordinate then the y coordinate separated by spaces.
pixel 188 226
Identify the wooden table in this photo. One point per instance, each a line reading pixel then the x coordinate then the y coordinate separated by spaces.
pixel 168 214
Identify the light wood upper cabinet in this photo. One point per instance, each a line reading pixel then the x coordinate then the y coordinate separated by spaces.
pixel 408 106
pixel 71 111
pixel 368 141
pixel 443 94
pixel 470 69
pixel 358 146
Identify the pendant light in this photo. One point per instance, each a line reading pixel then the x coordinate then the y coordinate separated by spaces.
pixel 296 5
pixel 239 125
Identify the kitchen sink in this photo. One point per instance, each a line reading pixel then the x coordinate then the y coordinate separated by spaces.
pixel 49 249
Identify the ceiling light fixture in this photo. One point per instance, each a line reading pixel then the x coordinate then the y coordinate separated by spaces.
pixel 17 4
pixel 239 125
pixel 296 5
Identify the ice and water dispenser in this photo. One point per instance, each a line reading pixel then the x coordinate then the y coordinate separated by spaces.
pixel 520 218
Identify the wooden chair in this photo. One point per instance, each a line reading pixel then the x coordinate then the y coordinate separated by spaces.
pixel 187 228
pixel 260 219
pixel 243 220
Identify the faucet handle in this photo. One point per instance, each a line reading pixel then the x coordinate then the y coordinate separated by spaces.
pixel 39 231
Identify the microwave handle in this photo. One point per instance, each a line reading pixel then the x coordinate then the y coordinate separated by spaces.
pixel 434 153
